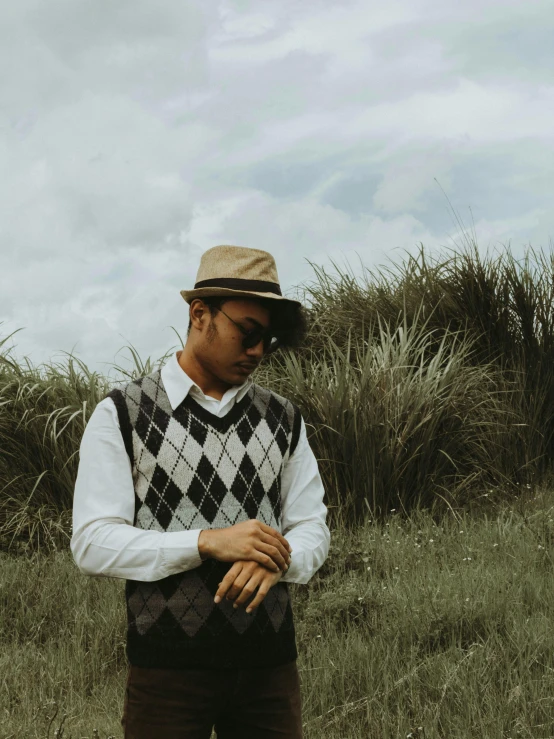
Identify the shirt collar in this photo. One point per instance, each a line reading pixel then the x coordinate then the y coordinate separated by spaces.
pixel 178 384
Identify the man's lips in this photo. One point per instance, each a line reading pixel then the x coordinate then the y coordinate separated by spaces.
pixel 247 366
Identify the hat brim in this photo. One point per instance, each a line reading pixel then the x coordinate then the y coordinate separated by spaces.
pixel 205 292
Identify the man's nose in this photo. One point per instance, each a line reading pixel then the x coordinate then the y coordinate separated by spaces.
pixel 256 352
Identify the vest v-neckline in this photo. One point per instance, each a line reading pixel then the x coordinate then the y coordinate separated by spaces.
pixel 221 423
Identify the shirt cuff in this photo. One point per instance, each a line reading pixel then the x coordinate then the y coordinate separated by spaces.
pixel 180 551
pixel 297 570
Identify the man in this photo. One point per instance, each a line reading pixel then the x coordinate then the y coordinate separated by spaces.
pixel 189 479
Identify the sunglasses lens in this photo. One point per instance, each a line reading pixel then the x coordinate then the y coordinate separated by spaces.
pixel 254 337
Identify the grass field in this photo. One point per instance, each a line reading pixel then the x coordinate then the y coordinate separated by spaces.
pixel 421 627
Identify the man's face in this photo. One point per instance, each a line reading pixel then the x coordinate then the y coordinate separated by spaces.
pixel 218 341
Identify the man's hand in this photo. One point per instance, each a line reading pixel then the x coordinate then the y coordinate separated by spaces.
pixel 248 540
pixel 242 580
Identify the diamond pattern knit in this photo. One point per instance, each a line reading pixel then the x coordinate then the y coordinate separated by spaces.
pixel 192 469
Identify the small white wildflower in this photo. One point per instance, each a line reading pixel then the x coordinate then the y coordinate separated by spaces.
pixel 396 568
pixel 467 599
pixel 369 568
pixel 431 541
pixel 360 598
pixel 461 532
pixel 392 510
pixel 495 545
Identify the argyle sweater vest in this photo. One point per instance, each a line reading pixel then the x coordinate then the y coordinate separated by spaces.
pixel 194 470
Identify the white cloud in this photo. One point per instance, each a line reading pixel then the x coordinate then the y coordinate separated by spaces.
pixel 308 229
pixel 412 174
pixel 486 114
pixel 133 137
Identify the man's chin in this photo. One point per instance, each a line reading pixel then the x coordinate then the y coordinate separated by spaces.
pixel 243 372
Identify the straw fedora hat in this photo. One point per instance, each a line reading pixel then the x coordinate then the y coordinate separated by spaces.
pixel 236 271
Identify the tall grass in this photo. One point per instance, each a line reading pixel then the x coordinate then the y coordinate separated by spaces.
pixel 420 382
pixel 504 305
pixel 398 426
pixel 43 413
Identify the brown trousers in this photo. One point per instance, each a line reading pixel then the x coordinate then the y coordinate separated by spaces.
pixel 260 703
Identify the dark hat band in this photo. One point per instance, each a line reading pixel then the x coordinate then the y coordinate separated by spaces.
pixel 235 283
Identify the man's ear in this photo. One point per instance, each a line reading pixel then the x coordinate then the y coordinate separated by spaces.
pixel 197 314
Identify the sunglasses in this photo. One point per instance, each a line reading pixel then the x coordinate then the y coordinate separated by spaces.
pixel 252 337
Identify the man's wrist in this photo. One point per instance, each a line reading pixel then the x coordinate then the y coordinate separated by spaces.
pixel 204 544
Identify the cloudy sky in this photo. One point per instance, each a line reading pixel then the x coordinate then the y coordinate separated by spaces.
pixel 137 134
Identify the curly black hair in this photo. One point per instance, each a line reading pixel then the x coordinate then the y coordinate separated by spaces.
pixel 288 321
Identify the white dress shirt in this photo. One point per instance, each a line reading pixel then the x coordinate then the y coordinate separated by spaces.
pixel 104 541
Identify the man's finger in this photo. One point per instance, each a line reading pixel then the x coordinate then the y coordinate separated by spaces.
pixel 248 590
pixel 277 534
pixel 247 593
pixel 224 586
pixel 260 595
pixel 227 581
pixel 238 585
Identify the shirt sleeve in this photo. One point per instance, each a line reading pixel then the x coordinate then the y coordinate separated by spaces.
pixel 303 513
pixel 104 541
